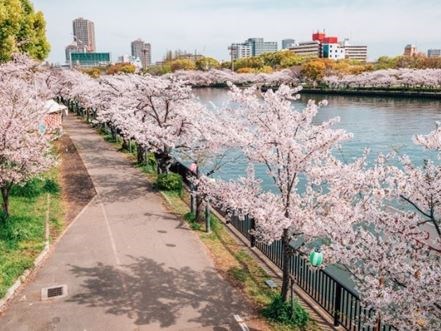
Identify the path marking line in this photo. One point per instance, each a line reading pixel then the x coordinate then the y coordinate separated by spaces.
pixel 109 231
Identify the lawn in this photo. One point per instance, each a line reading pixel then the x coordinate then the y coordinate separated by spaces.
pixel 22 235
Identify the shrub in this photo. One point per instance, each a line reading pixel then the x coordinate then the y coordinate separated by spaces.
pixel 288 313
pixel 191 219
pixel 207 63
pixel 246 70
pixel 182 64
pixel 31 189
pixel 169 182
pixel 51 186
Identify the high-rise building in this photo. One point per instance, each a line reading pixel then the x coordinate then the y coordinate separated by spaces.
pixel 434 53
pixel 410 50
pixel 288 43
pixel 84 33
pixel 143 51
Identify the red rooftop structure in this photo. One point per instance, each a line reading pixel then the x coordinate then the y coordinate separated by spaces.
pixel 323 39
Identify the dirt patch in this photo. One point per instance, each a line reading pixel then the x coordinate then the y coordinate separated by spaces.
pixel 77 187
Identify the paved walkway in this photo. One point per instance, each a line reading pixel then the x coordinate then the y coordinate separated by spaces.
pixel 128 263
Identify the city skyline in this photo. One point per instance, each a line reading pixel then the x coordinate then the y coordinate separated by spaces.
pixel 200 25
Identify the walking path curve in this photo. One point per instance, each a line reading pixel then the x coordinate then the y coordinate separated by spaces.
pixel 127 262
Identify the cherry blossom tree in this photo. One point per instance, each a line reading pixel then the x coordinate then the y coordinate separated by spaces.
pixel 290 145
pixel 24 151
pixel 217 77
pixel 159 114
pixel 383 226
pixel 390 78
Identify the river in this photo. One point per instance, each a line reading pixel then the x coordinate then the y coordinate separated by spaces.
pixel 379 123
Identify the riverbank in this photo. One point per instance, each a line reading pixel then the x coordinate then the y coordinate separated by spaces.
pixel 393 92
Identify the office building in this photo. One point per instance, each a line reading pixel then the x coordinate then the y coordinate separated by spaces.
pixel 143 51
pixel 240 50
pixel 434 53
pixel 356 52
pixel 334 51
pixel 329 47
pixel 73 48
pixel 84 33
pixel 410 50
pixel 252 47
pixel 90 60
pixel 259 46
pixel 310 49
pixel 288 43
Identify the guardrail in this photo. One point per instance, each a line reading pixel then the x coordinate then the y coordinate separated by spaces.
pixel 335 298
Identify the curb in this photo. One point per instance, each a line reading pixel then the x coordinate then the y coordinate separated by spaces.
pixel 12 291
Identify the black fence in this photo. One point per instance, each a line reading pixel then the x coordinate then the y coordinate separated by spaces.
pixel 338 300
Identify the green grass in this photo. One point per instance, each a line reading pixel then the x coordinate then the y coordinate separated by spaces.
pixel 22 235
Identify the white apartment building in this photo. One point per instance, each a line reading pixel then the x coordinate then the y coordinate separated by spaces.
pixel 333 51
pixel 240 50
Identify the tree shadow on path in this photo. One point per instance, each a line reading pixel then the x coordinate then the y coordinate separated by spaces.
pixel 149 292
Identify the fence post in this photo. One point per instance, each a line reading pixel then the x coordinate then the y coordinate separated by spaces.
pixel 207 217
pixel 252 236
pixel 337 304
pixel 192 199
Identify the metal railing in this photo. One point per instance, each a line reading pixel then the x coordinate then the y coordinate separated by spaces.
pixel 339 301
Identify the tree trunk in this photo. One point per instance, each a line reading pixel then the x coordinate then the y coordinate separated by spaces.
pixel 199 212
pixel 125 145
pixel 113 133
pixel 163 162
pixel 5 201
pixel 140 154
pixel 285 265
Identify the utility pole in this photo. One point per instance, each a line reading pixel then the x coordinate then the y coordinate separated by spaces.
pixel 232 48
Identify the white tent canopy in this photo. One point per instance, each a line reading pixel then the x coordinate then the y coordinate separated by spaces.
pixel 52 107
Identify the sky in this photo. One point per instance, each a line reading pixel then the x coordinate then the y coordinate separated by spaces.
pixel 210 26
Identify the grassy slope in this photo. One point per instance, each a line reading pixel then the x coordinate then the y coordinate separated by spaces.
pixel 22 237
